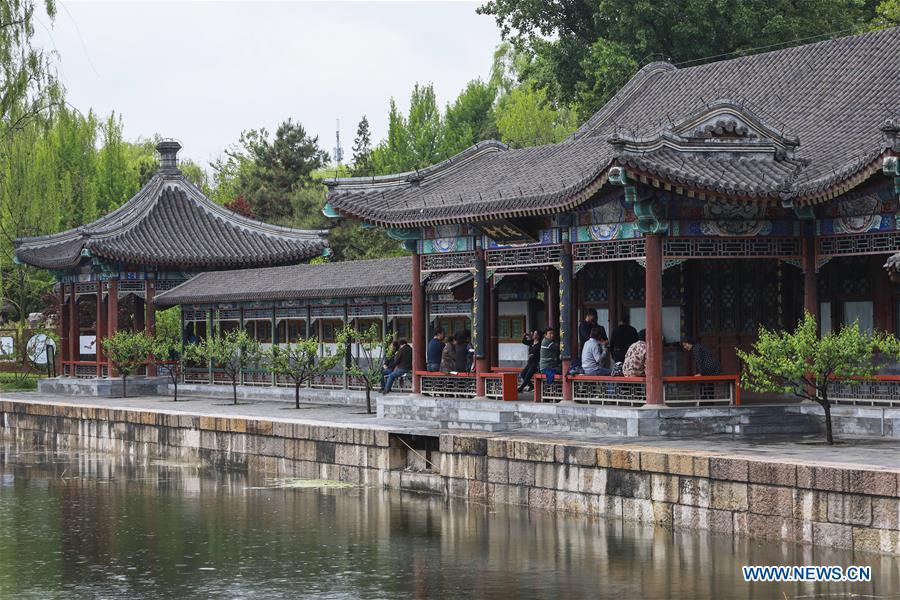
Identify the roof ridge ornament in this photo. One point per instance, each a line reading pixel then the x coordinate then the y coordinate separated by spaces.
pixel 168 156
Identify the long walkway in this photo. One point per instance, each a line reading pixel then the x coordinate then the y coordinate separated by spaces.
pixel 870 452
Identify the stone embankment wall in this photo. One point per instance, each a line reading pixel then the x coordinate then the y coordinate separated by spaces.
pixel 834 505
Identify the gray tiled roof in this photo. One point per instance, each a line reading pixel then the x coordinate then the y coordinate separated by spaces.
pixel 821 116
pixel 170 223
pixel 382 276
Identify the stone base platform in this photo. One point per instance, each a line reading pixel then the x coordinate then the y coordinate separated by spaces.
pixel 775 490
pixel 103 387
pixel 568 417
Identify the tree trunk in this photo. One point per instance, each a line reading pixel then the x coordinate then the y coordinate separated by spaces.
pixel 297 395
pixel 124 386
pixel 175 380
pixel 234 390
pixel 368 400
pixel 826 406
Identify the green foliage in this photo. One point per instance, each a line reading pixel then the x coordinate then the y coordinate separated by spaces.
pixel 270 174
pixel 412 142
pixel 362 148
pixel 525 118
pixel 232 353
pixel 584 50
pixel 128 350
pixel 803 364
pixel 888 12
pixel 372 347
pixel 470 119
pixel 18 381
pixel 299 362
pixel 167 346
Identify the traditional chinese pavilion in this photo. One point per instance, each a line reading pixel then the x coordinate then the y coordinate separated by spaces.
pixel 702 201
pixel 110 270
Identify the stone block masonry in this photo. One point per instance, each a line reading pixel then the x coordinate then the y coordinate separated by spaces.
pixel 838 505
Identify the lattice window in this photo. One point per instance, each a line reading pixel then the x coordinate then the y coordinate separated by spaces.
pixel 85 288
pixel 698 393
pixel 690 247
pixel 163 285
pixel 708 297
pixel 448 385
pixel 451 308
pixel 85 371
pixel 855 276
pixel 366 310
pixel 327 311
pixel 399 309
pixel 634 281
pixel 609 250
pixel 620 393
pixel 232 314
pixel 594 280
pixel 493 387
pixel 523 256
pixel 867 393
pixel 448 261
pixel 290 313
pixel 671 284
pixel 728 300
pixel 769 312
pixel 257 313
pixel 132 287
pixel 885 242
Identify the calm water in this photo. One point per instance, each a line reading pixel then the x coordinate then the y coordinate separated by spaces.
pixel 93 525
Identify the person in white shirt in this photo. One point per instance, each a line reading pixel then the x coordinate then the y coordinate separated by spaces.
pixel 595 354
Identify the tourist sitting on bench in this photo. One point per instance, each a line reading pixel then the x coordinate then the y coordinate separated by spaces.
pixel 533 342
pixel 402 366
pixel 595 355
pixel 635 362
pixel 549 357
pixel 705 362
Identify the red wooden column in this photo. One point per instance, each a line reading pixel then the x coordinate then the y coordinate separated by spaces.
pixel 100 325
pixel 112 313
pixel 418 321
pixel 810 287
pixel 74 342
pixel 150 321
pixel 63 354
pixel 493 326
pixel 568 336
pixel 653 310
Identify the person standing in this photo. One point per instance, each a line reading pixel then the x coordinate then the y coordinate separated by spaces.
pixel 463 354
pixel 623 336
pixel 585 327
pixel 434 350
pixel 448 357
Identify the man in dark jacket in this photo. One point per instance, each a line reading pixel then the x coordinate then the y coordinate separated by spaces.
pixel 402 366
pixel 623 336
pixel 705 362
pixel 533 342
pixel 584 333
pixel 434 350
pixel 463 354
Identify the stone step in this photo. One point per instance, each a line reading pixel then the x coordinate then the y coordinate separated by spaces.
pixel 776 428
pixel 478 426
pixel 486 415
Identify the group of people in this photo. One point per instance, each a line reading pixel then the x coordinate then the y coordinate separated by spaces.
pixel 622 354
pixel 451 354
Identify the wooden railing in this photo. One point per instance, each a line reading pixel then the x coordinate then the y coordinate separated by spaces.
pixel 454 385
pixel 880 390
pixel 632 391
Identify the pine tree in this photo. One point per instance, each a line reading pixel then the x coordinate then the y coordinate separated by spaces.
pixel 362 149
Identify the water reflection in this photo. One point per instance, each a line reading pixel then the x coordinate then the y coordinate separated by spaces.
pixel 99 525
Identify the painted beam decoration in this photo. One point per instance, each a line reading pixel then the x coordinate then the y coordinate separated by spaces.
pixel 479 307
pixel 566 340
pixel 504 231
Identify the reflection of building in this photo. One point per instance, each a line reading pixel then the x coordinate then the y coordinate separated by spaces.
pixel 704 201
pixel 110 270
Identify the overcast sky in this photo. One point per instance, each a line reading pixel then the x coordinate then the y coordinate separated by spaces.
pixel 202 72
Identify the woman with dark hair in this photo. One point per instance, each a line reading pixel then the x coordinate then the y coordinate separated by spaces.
pixel 448 356
pixel 533 342
pixel 635 363
pixel 463 358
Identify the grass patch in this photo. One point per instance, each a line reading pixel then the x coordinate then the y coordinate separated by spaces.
pixel 17 382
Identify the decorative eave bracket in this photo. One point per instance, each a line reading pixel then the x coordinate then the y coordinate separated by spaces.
pixel 651 213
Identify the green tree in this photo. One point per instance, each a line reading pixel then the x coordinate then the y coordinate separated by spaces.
pixel 167 348
pixel 803 364
pixel 470 119
pixel 299 362
pixel 413 141
pixel 362 149
pixel 233 353
pixel 581 45
pixel 526 118
pixel 366 367
pixel 127 351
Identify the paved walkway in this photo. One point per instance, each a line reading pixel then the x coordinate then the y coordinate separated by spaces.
pixel 876 452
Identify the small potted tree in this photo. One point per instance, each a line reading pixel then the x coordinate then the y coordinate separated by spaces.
pixel 168 353
pixel 232 352
pixel 127 351
pixel 803 364
pixel 366 367
pixel 299 362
